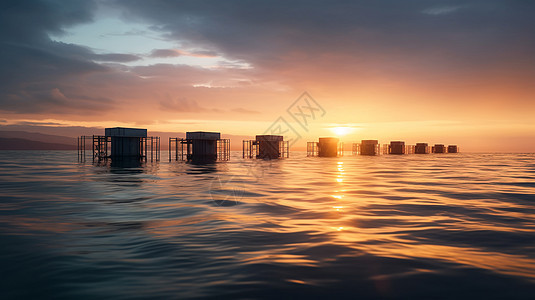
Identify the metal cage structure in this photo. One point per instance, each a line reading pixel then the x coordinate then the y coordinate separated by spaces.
pixel 355 149
pixel 368 147
pixel 312 148
pixel 396 147
pixel 340 149
pixel 421 148
pixel 199 147
pixel 223 149
pixel 179 153
pixel 150 144
pixel 266 147
pixel 284 149
pixel 101 148
pixel 100 145
pixel 453 149
pixel 399 147
pixel 438 148
pixel 249 148
pixel 325 147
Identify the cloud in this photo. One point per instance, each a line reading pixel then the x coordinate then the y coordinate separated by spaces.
pixel 175 53
pixel 164 53
pixel 32 123
pixel 43 100
pixel 180 105
pixel 185 105
pixel 116 57
pixel 203 53
pixel 40 75
pixel 245 111
pixel 31 21
pixel 441 10
pixel 185 75
pixel 279 36
pixel 270 51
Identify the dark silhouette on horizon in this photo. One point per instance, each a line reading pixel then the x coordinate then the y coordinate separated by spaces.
pixel 453 149
pixel 397 147
pixel 438 148
pixel 369 147
pixel 200 147
pixel 325 147
pixel 266 147
pixel 421 148
pixel 120 143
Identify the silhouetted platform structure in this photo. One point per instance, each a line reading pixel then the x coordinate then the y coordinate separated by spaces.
pixel 369 147
pixel 396 147
pixel 266 147
pixel 325 147
pixel 121 143
pixel 421 148
pixel 200 146
pixel 366 147
pixel 438 148
pixel 453 149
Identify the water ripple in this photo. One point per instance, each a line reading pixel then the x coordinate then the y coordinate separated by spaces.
pixel 432 226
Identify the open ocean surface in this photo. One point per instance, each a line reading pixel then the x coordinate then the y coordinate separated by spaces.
pixel 437 226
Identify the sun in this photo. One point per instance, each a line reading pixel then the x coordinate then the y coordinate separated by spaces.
pixel 341 130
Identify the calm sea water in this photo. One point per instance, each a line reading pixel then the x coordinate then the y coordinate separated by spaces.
pixel 452 226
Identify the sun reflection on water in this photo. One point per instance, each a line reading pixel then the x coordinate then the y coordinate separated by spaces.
pixel 304 222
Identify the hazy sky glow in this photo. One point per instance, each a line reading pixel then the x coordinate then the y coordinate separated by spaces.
pixel 433 71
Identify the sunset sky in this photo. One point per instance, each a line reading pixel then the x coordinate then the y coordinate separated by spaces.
pixel 452 72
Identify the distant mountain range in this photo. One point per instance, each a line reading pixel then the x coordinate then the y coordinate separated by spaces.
pixel 23 144
pixel 22 140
